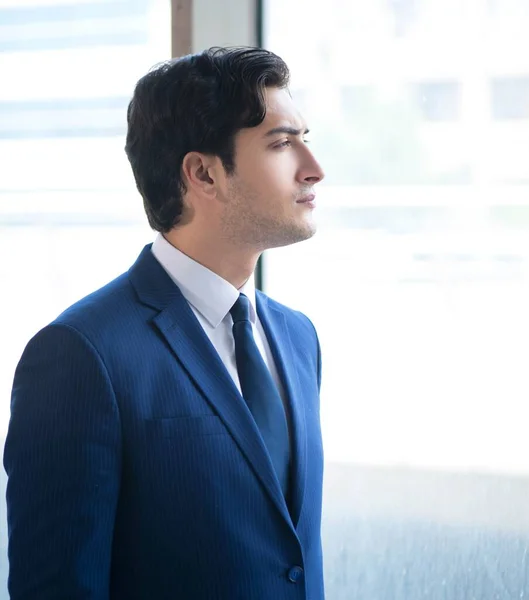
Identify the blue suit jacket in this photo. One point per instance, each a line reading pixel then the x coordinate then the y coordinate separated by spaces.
pixel 135 470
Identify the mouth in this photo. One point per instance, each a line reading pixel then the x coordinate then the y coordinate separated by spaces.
pixel 306 199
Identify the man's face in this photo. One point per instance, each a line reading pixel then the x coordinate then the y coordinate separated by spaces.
pixel 269 199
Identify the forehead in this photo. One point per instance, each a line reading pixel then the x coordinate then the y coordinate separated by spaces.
pixel 281 111
pixel 280 108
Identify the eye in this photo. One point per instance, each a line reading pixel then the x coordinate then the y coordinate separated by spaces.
pixel 287 143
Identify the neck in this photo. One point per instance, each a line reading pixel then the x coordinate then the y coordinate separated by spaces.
pixel 234 264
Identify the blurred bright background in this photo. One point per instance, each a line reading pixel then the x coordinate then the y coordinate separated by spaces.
pixel 417 281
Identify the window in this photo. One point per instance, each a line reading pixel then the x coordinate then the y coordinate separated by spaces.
pixel 67 195
pixel 404 14
pixel 73 25
pixel 58 118
pixel 418 284
pixel 510 98
pixel 515 8
pixel 438 101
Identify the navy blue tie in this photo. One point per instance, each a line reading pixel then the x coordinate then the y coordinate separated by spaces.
pixel 260 392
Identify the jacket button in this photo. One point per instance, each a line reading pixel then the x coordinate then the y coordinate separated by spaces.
pixel 295 574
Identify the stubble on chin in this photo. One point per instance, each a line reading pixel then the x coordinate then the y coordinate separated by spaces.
pixel 244 226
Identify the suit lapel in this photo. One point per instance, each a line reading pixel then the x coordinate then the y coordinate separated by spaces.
pixel 192 347
pixel 275 327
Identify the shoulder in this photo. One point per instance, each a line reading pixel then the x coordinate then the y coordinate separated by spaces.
pixel 295 319
pixel 101 319
pixel 302 334
pixel 100 309
pixel 93 333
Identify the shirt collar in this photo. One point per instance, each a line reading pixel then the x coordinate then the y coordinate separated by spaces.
pixel 211 295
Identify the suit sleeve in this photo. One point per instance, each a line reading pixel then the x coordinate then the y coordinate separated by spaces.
pixel 318 351
pixel 63 461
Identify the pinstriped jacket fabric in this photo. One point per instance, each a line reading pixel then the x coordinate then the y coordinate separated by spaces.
pixel 135 469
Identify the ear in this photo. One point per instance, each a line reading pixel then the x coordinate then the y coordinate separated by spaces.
pixel 199 174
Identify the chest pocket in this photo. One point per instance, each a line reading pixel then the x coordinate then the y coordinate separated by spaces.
pixel 179 427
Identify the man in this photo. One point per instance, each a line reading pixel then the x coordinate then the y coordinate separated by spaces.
pixel 164 440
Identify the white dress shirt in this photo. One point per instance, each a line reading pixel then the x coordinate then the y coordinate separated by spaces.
pixel 211 298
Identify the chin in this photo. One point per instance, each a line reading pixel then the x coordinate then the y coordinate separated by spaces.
pixel 308 229
pixel 293 236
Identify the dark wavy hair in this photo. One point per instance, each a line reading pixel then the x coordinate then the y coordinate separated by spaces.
pixel 195 103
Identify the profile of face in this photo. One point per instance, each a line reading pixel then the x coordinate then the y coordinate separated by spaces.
pixel 268 201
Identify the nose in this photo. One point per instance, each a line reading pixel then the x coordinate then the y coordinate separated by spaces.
pixel 311 171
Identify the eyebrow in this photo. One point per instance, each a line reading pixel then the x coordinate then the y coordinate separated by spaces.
pixel 286 130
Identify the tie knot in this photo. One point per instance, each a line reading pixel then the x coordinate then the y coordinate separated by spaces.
pixel 240 311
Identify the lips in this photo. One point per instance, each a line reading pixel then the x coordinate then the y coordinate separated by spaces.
pixel 305 199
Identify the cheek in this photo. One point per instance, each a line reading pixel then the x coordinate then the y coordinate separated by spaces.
pixel 271 176
pixel 279 174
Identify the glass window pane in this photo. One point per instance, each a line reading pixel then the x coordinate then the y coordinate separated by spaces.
pixel 510 98
pixel 418 284
pixel 70 216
